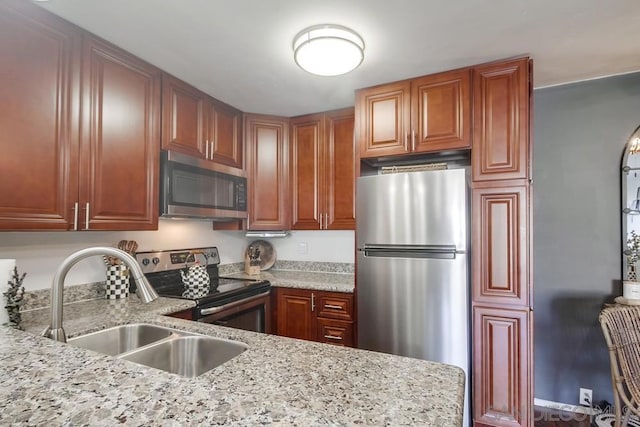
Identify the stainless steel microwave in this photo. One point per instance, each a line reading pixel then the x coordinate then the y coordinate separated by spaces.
pixel 196 188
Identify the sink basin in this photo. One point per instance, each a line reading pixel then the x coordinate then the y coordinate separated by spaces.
pixel 171 350
pixel 187 356
pixel 121 339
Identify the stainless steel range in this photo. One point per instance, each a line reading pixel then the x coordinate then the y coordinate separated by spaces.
pixel 234 302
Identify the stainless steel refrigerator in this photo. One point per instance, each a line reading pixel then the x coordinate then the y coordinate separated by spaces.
pixel 413 268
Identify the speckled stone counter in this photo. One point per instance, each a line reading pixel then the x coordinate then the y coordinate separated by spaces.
pixel 277 380
pixel 313 280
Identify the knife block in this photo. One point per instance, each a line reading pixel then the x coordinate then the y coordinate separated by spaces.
pixel 251 267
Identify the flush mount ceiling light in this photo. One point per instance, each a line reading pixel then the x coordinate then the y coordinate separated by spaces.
pixel 328 50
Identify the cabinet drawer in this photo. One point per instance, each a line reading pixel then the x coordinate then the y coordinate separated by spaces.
pixel 335 306
pixel 336 332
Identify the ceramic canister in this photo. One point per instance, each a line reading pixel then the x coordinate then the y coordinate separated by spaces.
pixel 631 290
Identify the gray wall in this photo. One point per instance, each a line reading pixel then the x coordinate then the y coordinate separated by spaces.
pixel 580 131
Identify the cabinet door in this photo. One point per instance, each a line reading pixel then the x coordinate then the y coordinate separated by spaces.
pixel 120 151
pixel 384 119
pixel 336 332
pixel 183 118
pixel 307 133
pixel 339 171
pixel 39 89
pixel 501 245
pixel 501 121
pixel 268 172
pixel 296 317
pixel 441 111
pixel 225 135
pixel 502 381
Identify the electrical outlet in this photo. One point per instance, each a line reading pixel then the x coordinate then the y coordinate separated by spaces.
pixel 586 396
pixel 303 248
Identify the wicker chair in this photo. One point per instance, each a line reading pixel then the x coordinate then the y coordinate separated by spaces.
pixel 621 327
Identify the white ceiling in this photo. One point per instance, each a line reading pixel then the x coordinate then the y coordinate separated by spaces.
pixel 240 52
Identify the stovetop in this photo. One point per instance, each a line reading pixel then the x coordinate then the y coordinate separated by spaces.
pixel 162 269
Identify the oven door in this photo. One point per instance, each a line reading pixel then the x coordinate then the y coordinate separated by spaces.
pixel 251 314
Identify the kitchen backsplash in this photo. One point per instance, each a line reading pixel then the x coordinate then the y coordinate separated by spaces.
pixel 40 253
pixel 39 298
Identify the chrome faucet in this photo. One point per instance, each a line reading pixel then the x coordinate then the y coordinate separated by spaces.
pixel 144 290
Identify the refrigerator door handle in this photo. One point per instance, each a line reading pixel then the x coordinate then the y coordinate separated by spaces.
pixel 410 251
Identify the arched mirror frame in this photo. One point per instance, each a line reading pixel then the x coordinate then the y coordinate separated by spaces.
pixel 631 208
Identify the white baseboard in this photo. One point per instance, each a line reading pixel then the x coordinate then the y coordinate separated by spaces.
pixel 565 407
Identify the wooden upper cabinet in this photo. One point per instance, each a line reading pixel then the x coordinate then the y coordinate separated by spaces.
pixel 441 110
pixel 118 188
pixel 502 370
pixel 267 161
pixel 306 146
pixel 430 113
pixel 183 118
pixel 196 124
pixel 323 171
pixel 384 119
pixel 39 115
pixel 339 166
pixel 224 128
pixel 501 121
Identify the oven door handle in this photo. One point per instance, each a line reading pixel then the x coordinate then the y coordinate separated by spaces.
pixel 214 310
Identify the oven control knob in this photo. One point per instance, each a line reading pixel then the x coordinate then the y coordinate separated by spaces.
pixel 145 261
pixel 155 260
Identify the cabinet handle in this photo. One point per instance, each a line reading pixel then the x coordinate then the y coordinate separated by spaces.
pixel 75 216
pixel 406 140
pixel 413 140
pixel 206 149
pixel 86 217
pixel 333 337
pixel 320 221
pixel 326 221
pixel 333 307
pixel 212 147
pixel 313 301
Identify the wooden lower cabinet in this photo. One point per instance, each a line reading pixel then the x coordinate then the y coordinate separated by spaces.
pixel 337 332
pixel 502 361
pixel 315 315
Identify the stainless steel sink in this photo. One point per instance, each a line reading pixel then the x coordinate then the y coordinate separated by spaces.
pixel 121 339
pixel 171 350
pixel 187 356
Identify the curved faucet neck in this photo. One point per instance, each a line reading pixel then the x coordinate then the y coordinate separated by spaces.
pixel 145 291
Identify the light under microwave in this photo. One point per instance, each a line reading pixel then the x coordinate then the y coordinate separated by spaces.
pixel 196 188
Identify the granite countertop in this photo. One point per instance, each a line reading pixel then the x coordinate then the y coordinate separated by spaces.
pixel 313 280
pixel 276 381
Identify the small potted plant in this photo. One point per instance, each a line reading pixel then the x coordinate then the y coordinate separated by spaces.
pixel 631 286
